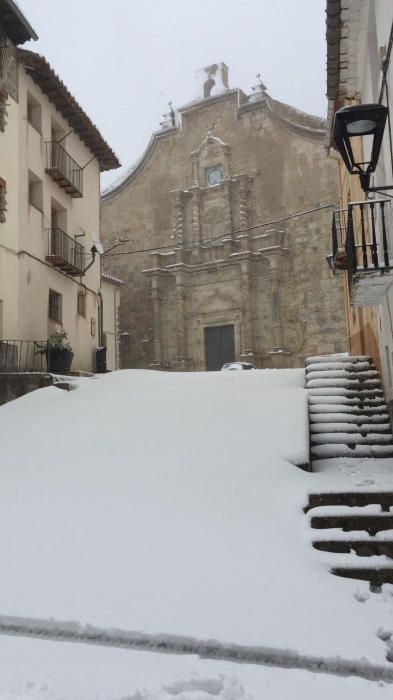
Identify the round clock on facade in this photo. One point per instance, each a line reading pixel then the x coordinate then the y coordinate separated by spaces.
pixel 214 176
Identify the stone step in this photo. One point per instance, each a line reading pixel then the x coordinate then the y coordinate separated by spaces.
pixel 357 438
pixel 357 419
pixel 369 523
pixel 339 357
pixel 345 393
pixel 333 450
pixel 350 498
pixel 363 548
pixel 351 427
pixel 376 576
pixel 367 401
pixel 342 374
pixel 326 409
pixel 343 382
pixel 348 366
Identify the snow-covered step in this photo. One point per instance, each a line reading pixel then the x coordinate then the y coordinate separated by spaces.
pixel 352 427
pixel 352 438
pixel 369 547
pixel 339 450
pixel 343 382
pixel 342 374
pixel 350 498
pixel 371 523
pixel 357 419
pixel 339 509
pixel 344 392
pixel 346 400
pixel 320 409
pixel 339 357
pixel 377 576
pixel 349 366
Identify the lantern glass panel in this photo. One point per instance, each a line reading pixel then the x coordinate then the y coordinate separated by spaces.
pixel 361 126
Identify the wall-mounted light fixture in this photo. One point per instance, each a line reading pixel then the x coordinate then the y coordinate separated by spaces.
pixel 361 120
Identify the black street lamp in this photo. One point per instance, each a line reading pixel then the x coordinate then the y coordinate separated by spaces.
pixel 361 120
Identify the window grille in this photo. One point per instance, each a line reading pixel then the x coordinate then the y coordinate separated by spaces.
pixel 54 306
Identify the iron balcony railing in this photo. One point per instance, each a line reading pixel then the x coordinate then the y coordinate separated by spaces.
pixel 360 237
pixel 23 355
pixel 65 253
pixel 64 169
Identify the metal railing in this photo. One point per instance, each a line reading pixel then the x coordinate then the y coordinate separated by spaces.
pixel 23 355
pixel 65 252
pixel 64 169
pixel 360 236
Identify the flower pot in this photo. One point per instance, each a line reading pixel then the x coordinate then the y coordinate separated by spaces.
pixel 60 360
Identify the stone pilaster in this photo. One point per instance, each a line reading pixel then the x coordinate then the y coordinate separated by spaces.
pixel 228 208
pixel 178 212
pixel 181 333
pixel 277 329
pixel 247 311
pixel 243 205
pixel 156 297
pixel 196 223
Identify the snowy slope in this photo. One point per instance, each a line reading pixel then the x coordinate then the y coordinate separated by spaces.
pixel 170 503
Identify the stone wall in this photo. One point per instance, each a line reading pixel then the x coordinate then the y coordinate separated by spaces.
pixel 13 385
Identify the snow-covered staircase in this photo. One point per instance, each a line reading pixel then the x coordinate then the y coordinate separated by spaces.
pixel 347 410
pixel 359 533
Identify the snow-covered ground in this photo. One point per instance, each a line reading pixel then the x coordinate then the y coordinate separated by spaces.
pixel 170 503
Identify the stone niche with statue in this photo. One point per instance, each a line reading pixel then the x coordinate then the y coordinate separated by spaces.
pixel 239 273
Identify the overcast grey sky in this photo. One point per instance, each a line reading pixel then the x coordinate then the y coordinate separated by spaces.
pixel 124 60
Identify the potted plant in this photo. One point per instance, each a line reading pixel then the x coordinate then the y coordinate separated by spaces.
pixel 59 353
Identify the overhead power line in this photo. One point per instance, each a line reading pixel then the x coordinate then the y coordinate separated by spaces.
pixel 197 243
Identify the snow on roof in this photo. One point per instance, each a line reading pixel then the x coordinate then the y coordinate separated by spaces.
pixel 169 503
pixel 112 280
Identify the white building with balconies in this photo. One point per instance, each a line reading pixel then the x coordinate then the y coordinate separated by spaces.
pixel 51 156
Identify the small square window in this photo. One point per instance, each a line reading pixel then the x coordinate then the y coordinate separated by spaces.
pixel 54 306
pixel 81 304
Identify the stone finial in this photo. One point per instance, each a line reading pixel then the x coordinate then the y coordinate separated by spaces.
pixel 169 120
pixel 258 90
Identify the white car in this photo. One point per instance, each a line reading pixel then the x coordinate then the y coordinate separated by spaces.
pixel 237 365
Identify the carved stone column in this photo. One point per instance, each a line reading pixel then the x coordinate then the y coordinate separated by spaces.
pixel 181 332
pixel 196 222
pixel 243 205
pixel 156 297
pixel 277 330
pixel 178 211
pixel 247 352
pixel 228 208
pixel 182 360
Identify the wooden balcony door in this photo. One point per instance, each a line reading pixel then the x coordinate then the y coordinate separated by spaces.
pixel 219 346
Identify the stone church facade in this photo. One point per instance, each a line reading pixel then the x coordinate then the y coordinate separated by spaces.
pixel 223 276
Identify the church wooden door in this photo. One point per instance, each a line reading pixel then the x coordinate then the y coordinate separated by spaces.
pixel 219 346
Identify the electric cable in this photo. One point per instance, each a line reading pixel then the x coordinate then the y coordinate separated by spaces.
pixel 197 243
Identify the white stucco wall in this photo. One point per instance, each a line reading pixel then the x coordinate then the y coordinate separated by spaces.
pixel 9 229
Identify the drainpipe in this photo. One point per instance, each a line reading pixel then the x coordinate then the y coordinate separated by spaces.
pixel 100 318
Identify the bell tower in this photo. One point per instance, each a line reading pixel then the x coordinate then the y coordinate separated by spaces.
pixel 212 80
